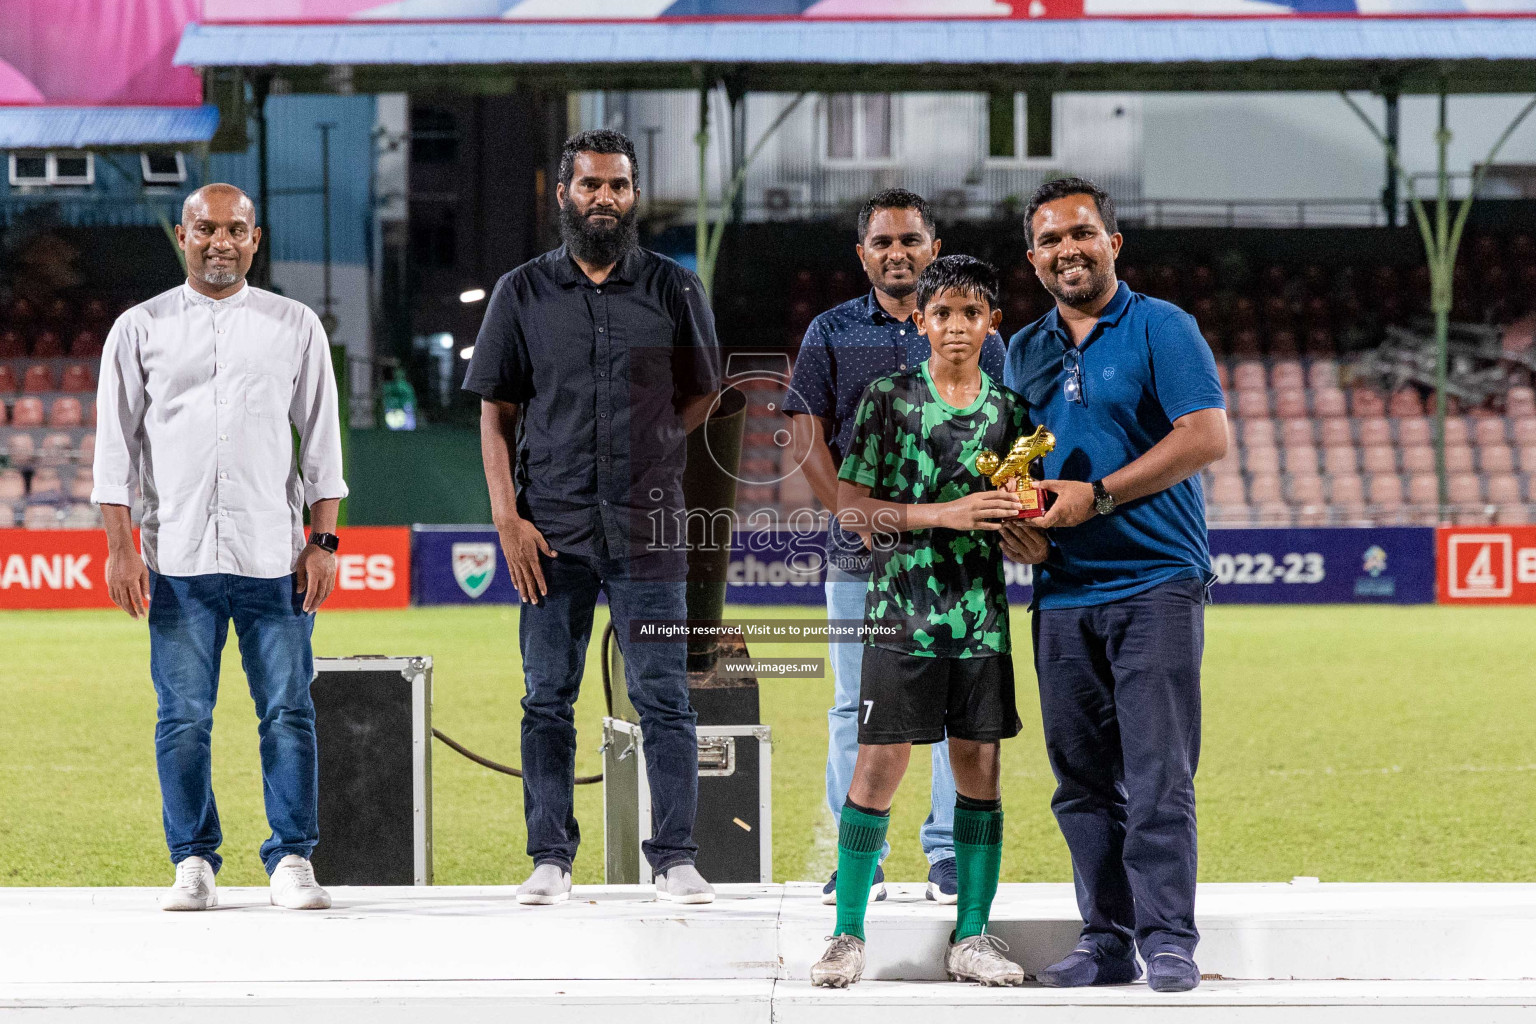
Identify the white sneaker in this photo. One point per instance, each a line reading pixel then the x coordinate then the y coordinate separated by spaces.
pixel 548 884
pixel 294 885
pixel 682 883
pixel 194 888
pixel 980 959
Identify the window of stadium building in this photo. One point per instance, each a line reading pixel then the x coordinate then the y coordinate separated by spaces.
pixel 1020 127
pixel 859 127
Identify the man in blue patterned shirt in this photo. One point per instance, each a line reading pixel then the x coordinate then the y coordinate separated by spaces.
pixel 844 350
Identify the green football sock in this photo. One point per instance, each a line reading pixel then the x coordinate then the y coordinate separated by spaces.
pixel 859 839
pixel 978 860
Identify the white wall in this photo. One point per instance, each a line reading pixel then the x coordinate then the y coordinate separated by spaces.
pixel 1307 145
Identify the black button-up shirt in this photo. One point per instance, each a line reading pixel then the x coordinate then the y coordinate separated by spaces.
pixel 599 372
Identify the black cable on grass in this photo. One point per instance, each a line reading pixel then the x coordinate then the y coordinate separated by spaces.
pixel 485 762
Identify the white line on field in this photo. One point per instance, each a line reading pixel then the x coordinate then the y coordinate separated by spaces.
pixel 823 858
pixel 1397 769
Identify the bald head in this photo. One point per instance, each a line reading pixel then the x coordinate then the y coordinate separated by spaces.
pixel 218 235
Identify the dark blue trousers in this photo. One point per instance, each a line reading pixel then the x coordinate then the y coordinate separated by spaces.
pixel 554 634
pixel 1120 700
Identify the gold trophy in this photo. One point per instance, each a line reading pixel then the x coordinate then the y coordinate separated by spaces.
pixel 1016 467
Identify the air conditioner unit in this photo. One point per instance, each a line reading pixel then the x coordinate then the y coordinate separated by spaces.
pixel 793 198
pixel 163 168
pixel 29 168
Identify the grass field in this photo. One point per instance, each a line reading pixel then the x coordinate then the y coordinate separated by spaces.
pixel 1354 744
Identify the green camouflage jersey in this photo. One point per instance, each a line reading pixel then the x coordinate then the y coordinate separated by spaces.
pixel 937 592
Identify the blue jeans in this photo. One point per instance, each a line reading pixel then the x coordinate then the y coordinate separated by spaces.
pixel 189 620
pixel 845 600
pixel 1120 701
pixel 553 636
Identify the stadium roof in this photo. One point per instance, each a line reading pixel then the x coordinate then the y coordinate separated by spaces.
pixel 1409 54
pixel 105 127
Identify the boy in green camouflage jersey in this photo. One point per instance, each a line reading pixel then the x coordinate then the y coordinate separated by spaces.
pixel 938 660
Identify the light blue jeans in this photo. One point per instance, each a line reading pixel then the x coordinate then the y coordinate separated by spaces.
pixel 845 600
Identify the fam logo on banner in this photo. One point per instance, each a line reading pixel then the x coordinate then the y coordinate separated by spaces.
pixel 1487 564
pixel 474 566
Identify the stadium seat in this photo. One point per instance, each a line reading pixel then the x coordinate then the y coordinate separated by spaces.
pixel 5 414
pixel 87 345
pixel 1405 402
pixel 1504 489
pixel 1513 515
pixel 87 451
pixel 1418 458
pixel 1246 343
pixel 1318 342
pixel 1274 515
pixel 1458 458
pixel 1287 374
pixel 81 516
pixel 1385 490
pixel 1335 433
pixel 1521 401
pixel 1301 460
pixel 1414 430
pixel 46 344
pixel 1230 466
pixel 1323 373
pixel 1297 432
pixel 1487 430
pixel 1219 348
pixel 1379 459
pixel 1252 404
pixel 1228 491
pixel 1524 431
pixel 1306 489
pixel 38 379
pixel 1259 432
pixel 1456 431
pixel 1340 460
pixel 1346 498
pixel 40 517
pixel 1223 370
pixel 1526 459
pixel 20 448
pixel 1424 492
pixel 90 412
pixel 56 449
pixel 80 484
pixel 1465 489
pixel 1365 403
pixel 13 486
pixel 1496 458
pixel 1265 489
pixel 11 345
pixel 1248 375
pixel 1329 403
pixel 1283 344
pixel 1291 404
pixel 27 412
pixel 1258 459
pixel 65 412
pixel 7 380
pixel 1374 431
pixel 46 486
pixel 95 312
pixel 77 377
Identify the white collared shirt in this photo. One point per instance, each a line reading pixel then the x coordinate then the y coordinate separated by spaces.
pixel 193 408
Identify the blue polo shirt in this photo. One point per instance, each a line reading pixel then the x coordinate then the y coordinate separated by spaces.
pixel 1143 366
pixel 844 350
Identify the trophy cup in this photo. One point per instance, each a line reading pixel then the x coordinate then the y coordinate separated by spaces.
pixel 1015 466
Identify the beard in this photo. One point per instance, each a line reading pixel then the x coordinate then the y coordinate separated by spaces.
pixel 594 244
pixel 219 278
pixel 1097 279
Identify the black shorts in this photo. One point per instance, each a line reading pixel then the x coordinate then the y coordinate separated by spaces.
pixel 907 698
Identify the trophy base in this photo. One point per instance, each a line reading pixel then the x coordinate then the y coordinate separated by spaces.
pixel 1037 501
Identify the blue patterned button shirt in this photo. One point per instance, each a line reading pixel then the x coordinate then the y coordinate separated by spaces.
pixel 843 351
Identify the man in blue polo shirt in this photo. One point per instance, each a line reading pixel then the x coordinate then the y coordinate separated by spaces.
pixel 844 350
pixel 1129 388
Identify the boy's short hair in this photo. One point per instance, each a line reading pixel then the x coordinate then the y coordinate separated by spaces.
pixel 893 199
pixel 1060 188
pixel 965 274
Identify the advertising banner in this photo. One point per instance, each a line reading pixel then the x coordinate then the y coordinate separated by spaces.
pixel 726 10
pixel 1487 564
pixel 373 568
pixel 96 53
pixel 1345 565
pixel 67 569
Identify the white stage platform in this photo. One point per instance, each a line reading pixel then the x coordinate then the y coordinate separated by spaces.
pixel 1329 952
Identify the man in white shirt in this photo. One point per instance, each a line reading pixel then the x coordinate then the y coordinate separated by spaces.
pixel 199 386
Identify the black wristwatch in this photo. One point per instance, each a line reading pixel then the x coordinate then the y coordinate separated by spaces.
pixel 1103 501
pixel 325 541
